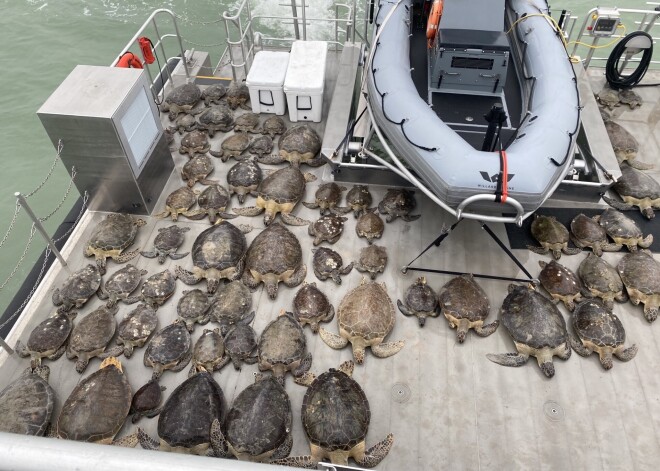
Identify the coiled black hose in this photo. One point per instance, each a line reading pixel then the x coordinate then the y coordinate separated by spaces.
pixel 615 79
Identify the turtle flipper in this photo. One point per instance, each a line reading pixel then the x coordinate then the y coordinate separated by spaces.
pixel 571 250
pixel 646 242
pixel 58 353
pixel 374 455
pixel 186 276
pixel 650 313
pixel 250 281
pixel 411 217
pixel 312 205
pixel 305 462
pixel 81 365
pixel 164 214
pixel 126 256
pixel 270 159
pixel 297 277
pixel 248 211
pixel 333 340
pixel 611 247
pixel 178 256
pixel 305 365
pixel 508 359
pixel 100 263
pixel 113 352
pixel 337 210
pixel 538 250
pixel 184 362
pixel 305 379
pixel 347 269
pixel 129 441
pixel 152 254
pixel 218 441
pixel 627 354
pixel 636 164
pixel 21 349
pixel 620 205
pixel 404 309
pixel 292 220
pixel 486 330
pixel 146 442
pixel 284 449
pixel 388 349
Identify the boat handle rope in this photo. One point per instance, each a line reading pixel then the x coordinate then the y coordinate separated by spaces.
pixel 501 190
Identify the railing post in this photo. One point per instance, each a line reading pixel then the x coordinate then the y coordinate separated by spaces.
pixel 294 12
pixel 304 20
pixel 6 347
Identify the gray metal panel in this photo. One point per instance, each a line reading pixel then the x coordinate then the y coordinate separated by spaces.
pixel 476 15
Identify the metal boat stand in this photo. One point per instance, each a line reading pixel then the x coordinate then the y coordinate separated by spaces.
pixel 445 233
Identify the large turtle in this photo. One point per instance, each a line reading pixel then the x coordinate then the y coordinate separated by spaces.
pixel 182 100
pixel 602 280
pixel 238 94
pixel 244 178
pixel 48 339
pixel 193 307
pixel 216 118
pixel 111 237
pixel 179 202
pixel 77 288
pixel 184 123
pixel 194 142
pixel 365 317
pixel 553 237
pixel 562 284
pixel 170 349
pixel 273 126
pixel 146 401
pixel 586 232
pixel 298 145
pixel 158 288
pixel 537 327
pixel 608 97
pixel 233 146
pixel 120 286
pixel 624 230
pixel 636 189
pixel 184 424
pixel 209 352
pixel 311 306
pixel 197 169
pixel 274 256
pixel 218 252
pixel 259 423
pixel 167 242
pixel 599 330
pixel 369 225
pixel 231 304
pixel 420 301
pixel 213 94
pixel 91 335
pixel 398 202
pixel 282 348
pixel 373 260
pixel 26 404
pixel 328 264
pixel 628 97
pixel 336 416
pixel 327 198
pixel 97 407
pixel 261 146
pixel 640 273
pixel 212 202
pixel 247 122
pixel 327 228
pixel 359 199
pixel 625 146
pixel 134 330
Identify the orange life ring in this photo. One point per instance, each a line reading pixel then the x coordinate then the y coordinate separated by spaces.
pixel 434 21
pixel 129 60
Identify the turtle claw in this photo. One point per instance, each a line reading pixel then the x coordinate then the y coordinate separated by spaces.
pixel 508 359
pixel 374 455
pixel 146 442
pixel 578 347
pixel 620 205
pixel 305 462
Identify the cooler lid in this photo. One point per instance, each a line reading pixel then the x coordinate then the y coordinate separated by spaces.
pixel 306 72
pixel 268 69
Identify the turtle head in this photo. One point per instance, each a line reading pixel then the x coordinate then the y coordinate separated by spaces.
pixel 111 361
pixel 422 321
pixel 212 285
pixel 648 212
pixel 271 287
pixel 547 366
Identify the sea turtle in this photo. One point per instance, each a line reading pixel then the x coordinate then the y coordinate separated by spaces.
pixel 273 126
pixel 181 100
pixel 311 306
pixel 640 273
pixel 602 280
pixel 91 335
pixel 636 188
pixel 184 123
pixel 420 301
pixel 298 145
pixel 336 416
pixel 562 284
pixel 238 94
pixel 328 264
pixel 628 97
pixel 134 330
pixel 370 225
pixel 212 202
pixel 278 193
pixel 624 230
pixel 213 94
pixel 599 330
pixel 169 349
pixel 193 307
pixel 247 122
pixel 197 169
pixel 244 178
pixel 365 317
pixel 625 146
pixel 167 242
pixel 194 142
pixel 241 344
pixel 158 288
pixel 146 401
pixel 184 424
pixel 282 348
pixel 372 260
pixel 261 146
pixel 97 407
pixel 77 288
pixel 398 202
pixel 120 286
pixel 608 97
pixel 259 423
pixel 216 118
pixel 48 339
pixel 274 256
pixel 217 253
pixel 111 237
pixel 553 237
pixel 26 404
pixel 231 304
pixel 327 197
pixel 537 328
pixel 179 202
pixel 359 199
pixel 327 228
pixel 209 352
pixel 586 232
pixel 233 146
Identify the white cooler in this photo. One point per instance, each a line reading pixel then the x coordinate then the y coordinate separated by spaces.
pixel 305 80
pixel 265 82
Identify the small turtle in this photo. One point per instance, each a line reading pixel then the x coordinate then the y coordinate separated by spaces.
pixel 213 94
pixel 26 404
pixel 233 146
pixel 91 335
pixel 640 273
pixel 216 118
pixel 193 307
pixel 298 145
pixel 197 169
pixel 336 394
pixel 553 237
pixel 158 288
pixel 111 237
pixel 628 97
pixel 184 424
pixel 537 328
pixel 327 228
pixel 77 288
pixel 608 98
pixel 328 264
pixel 372 260
pixel 179 202
pixel 244 178
pixel 167 242
pixel 48 339
pixel 636 188
pixel 586 232
pixel 599 330
pixel 212 202
pixel 562 284
pixel 624 230
pixel 231 304
pixel 398 202
pixel 259 423
pixel 184 123
pixel 170 349
pixel 359 199
pixel 327 197
pixel 134 330
pixel 218 252
pixel 273 126
pixel 625 146
pixel 365 317
pixel 120 286
pixel 278 193
pixel 370 225
pixel 274 256
pixel 247 122
pixel 602 280
pixel 241 344
pixel 146 401
pixel 282 348
pixel 261 146
pixel 97 407
pixel 209 352
pixel 238 94
pixel 182 100
pixel 194 142
pixel 311 306
pixel 420 301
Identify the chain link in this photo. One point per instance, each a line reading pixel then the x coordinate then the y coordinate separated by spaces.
pixel 197 22
pixel 20 260
pixel 75 223
pixel 66 195
pixel 60 146
pixel 17 210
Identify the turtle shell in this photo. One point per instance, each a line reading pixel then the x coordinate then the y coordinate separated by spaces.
pixel 159 287
pixel 232 303
pixel 138 324
pixel 273 125
pixel 146 399
pixel 397 201
pixel 587 230
pixel 637 184
pixel 326 260
pixel 50 334
pixel 182 198
pixel 213 93
pixel 463 298
pixel 327 228
pixel 248 122
pixel 300 140
pixel 640 271
pixel 214 198
pixel 237 94
pixel 359 195
pixel 217 118
pixel 188 94
pixel 240 341
pixel 286 185
pixel 261 145
pixel 78 287
pixel 244 174
pixel 623 143
pixel 335 412
pixel 26 405
pixel 124 281
pixel 192 306
pixel 310 303
pixel 420 296
pixel 196 169
pixel 94 331
pixel 219 247
pixel 619 226
pixel 373 258
pixel 236 144
pixel 209 348
pixel 593 322
pixel 546 229
pixel 168 346
pixel 282 341
pixel 115 232
pixel 275 250
pixel 369 224
pixel 194 139
pixel 188 413
pixel 367 312
pixel 599 275
pixel 559 280
pixel 170 238
pixel 328 194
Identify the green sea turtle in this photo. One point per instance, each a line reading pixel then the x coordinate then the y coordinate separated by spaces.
pixel 231 304
pixel 213 94
pixel 398 202
pixel 182 100
pixel 77 288
pixel 327 198
pixel 273 125
pixel 562 284
pixel 640 273
pixel 328 264
pixel 261 146
pixel 608 97
pixel 359 199
pixel 120 286
pixel 169 349
pixel 311 306
pixel 238 94
pixel 624 230
pixel 247 122
pixel 282 347
pixel 241 343
pixel 233 146
pixel 167 242
pixel 420 301
pixel 553 237
pixel 636 189
pixel 586 232
pixel 216 118
pixel 370 225
pixel 373 260
pixel 602 280
pixel 625 146
pixel 91 335
pixel 184 123
pixel 158 288
pixel 193 307
pixel 213 202
pixel 327 228
pixel 209 352
pixel 179 202
pixel 26 404
pixel 111 237
pixel 134 330
pixel 298 145
pixel 48 339
pixel 628 97
pixel 194 142
pixel 146 401
pixel 244 178
pixel 197 169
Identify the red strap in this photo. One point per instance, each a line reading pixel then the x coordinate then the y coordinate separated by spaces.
pixel 145 46
pixel 505 176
